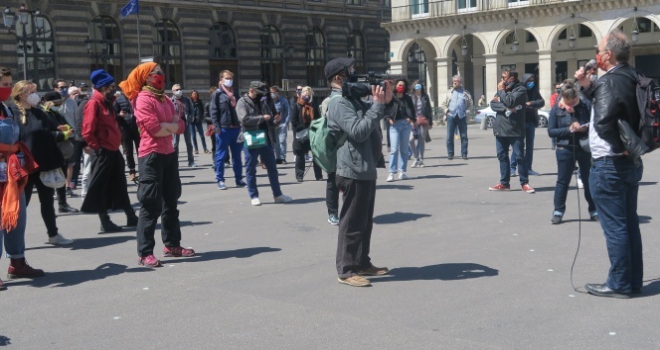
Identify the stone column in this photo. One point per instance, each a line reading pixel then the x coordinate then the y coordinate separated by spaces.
pixel 546 72
pixel 492 75
pixel 444 74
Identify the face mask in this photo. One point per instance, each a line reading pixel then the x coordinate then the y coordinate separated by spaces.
pixel 601 64
pixel 273 96
pixel 228 83
pixel 558 91
pixel 178 94
pixel 159 81
pixel 5 92
pixel 64 93
pixel 298 92
pixel 33 99
pixel 258 97
pixel 530 85
pixel 305 99
pixel 55 108
pixel 418 86
pixel 400 89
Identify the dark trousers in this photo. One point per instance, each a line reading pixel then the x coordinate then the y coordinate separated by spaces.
pixel 130 141
pixel 188 141
pixel 454 123
pixel 614 188
pixel 158 192
pixel 566 158
pixel 213 149
pixel 46 199
pixel 300 164
pixel 332 195
pixel 530 134
pixel 77 157
pixel 355 225
pixel 113 187
pixel 196 128
pixel 502 145
pixel 268 158
pixel 61 192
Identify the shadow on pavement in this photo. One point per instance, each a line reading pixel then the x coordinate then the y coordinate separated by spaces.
pixel 89 243
pixel 225 254
pixel 444 272
pixel 444 165
pixel 307 200
pixel 650 289
pixel 398 217
pixel 4 341
pixel 72 278
pixel 199 183
pixel 644 219
pixel 187 223
pixel 434 177
pixel 394 187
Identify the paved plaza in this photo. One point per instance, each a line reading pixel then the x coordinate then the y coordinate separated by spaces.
pixel 470 269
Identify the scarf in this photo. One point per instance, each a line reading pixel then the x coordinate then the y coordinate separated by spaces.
pixel 229 93
pixel 567 108
pixel 136 80
pixel 159 94
pixel 17 178
pixel 307 111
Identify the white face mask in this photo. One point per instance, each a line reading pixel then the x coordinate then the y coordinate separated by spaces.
pixel 228 83
pixel 178 94
pixel 33 99
pixel 273 96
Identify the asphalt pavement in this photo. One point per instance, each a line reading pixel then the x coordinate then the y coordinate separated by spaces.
pixel 470 269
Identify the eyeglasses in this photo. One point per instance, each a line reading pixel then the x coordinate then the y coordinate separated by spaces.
pixel 156 73
pixel 598 51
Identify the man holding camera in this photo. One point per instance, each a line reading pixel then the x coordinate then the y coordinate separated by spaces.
pixel 356 168
pixel 509 129
pixel 615 175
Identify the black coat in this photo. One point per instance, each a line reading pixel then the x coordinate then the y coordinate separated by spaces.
pixel 560 121
pixel 514 124
pixel 198 111
pixel 297 124
pixel 37 133
pixel 537 102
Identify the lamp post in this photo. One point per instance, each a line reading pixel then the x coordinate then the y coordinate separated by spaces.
pixel 635 27
pixel 287 53
pixel 516 45
pixel 24 16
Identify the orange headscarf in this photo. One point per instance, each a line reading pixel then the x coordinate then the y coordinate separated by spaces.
pixel 136 80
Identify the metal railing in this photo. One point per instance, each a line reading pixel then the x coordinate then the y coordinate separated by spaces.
pixel 455 7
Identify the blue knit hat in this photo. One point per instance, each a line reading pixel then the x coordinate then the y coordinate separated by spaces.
pixel 101 78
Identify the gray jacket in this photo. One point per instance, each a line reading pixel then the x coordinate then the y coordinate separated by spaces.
pixel 251 115
pixel 357 157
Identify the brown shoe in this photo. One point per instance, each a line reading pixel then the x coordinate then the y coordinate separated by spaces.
pixel 19 268
pixel 355 281
pixel 131 177
pixel 374 271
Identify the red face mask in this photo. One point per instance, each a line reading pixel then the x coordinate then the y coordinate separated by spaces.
pixel 5 92
pixel 158 81
pixel 400 89
pixel 601 64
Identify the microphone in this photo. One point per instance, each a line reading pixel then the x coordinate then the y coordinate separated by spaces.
pixel 590 65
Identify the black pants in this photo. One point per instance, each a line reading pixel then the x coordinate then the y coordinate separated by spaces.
pixel 46 198
pixel 188 141
pixel 300 165
pixel 61 192
pixel 158 192
pixel 332 195
pixel 355 225
pixel 130 141
pixel 77 157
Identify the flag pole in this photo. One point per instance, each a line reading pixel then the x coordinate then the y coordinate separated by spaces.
pixel 138 38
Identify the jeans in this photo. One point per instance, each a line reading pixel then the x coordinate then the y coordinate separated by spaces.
pixel 614 187
pixel 268 158
pixel 332 195
pixel 452 124
pixel 88 159
pixel 46 200
pixel 15 239
pixel 196 128
pixel 399 138
pixel 565 165
pixel 502 144
pixel 530 133
pixel 189 146
pixel 158 192
pixel 226 140
pixel 280 145
pixel 417 144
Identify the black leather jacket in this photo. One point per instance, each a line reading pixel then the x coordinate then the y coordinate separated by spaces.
pixel 614 97
pixel 514 124
pixel 560 121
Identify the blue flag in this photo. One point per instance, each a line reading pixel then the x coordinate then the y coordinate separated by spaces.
pixel 133 7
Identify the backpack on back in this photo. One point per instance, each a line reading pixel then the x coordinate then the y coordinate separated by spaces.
pixel 323 144
pixel 648 100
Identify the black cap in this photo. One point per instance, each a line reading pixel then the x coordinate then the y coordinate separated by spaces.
pixel 259 87
pixel 52 96
pixel 337 65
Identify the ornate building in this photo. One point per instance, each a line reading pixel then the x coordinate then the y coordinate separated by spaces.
pixel 193 40
pixel 478 38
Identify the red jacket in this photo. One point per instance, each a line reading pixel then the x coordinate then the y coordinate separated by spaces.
pixel 100 128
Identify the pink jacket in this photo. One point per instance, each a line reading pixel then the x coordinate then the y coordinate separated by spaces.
pixel 149 113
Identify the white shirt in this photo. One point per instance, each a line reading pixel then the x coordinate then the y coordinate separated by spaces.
pixel 599 147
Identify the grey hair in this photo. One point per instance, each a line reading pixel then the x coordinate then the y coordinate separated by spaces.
pixel 457 77
pixel 619 45
pixel 568 90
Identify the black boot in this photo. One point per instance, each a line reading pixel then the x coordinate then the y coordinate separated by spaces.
pixel 131 219
pixel 108 226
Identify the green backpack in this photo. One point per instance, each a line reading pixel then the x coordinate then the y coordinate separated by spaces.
pixel 324 146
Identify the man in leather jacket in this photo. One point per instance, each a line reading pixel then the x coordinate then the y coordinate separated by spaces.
pixel 509 130
pixel 615 176
pixel 534 102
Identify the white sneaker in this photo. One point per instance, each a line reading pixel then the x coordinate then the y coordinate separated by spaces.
pixel 580 184
pixel 283 199
pixel 390 177
pixel 59 240
pixel 403 176
pixel 256 202
pixel 415 164
pixel 421 164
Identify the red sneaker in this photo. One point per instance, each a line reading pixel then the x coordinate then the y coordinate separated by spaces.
pixel 177 252
pixel 149 261
pixel 527 188
pixel 499 187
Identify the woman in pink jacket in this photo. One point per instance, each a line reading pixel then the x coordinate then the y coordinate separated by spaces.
pixel 160 185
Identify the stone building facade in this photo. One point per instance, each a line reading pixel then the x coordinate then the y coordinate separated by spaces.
pixel 194 40
pixel 479 38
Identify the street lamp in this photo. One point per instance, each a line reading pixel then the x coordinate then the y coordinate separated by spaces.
pixel 23 16
pixel 286 54
pixel 8 19
pixel 571 37
pixel 635 28
pixel 516 45
pixel 464 47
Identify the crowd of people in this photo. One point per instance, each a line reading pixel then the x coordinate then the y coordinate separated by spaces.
pixel 46 140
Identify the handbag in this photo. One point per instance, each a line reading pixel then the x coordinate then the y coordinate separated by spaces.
pixel 422 121
pixel 66 148
pixel 302 135
pixel 53 178
pixel 255 138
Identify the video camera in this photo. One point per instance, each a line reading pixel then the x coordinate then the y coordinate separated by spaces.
pixel 359 85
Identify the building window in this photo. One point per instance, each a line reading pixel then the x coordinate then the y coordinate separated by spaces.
pixel 584 31
pixel 104 46
pixel 271 55
pixel 356 50
pixel 354 2
pixel 315 58
pixel 644 25
pixel 529 37
pixel 467 5
pixel 562 35
pixel 167 51
pixel 416 64
pixel 35 48
pixel 223 41
pixel 516 3
pixel 420 8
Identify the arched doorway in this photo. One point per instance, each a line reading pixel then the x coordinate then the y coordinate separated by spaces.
pixel 646 51
pixel 167 51
pixel 467 60
pixel 419 64
pixel 573 47
pixel 105 46
pixel 223 52
pixel 35 49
